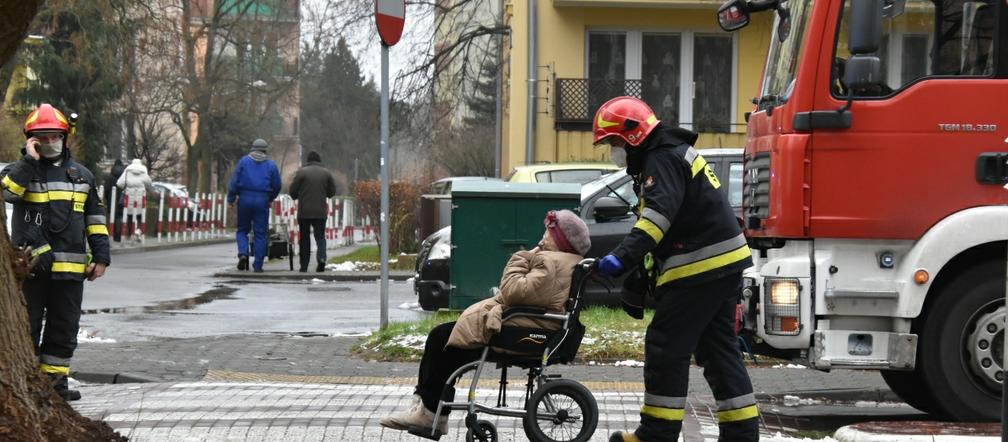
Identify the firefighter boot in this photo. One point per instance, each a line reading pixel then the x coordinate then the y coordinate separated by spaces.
pixel 624 436
pixel 62 388
pixel 243 262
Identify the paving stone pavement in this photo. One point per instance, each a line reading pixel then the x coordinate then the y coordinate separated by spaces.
pixel 255 411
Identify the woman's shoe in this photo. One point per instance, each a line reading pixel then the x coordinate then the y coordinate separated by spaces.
pixel 417 418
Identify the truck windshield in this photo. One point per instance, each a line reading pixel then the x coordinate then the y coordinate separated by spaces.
pixel 782 61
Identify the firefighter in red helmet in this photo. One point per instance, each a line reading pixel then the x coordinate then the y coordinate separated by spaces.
pixel 689 249
pixel 59 216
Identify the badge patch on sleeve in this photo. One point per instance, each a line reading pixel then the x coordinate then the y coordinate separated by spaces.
pixel 78 206
pixel 649 182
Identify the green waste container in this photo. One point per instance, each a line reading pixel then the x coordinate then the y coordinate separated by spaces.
pixel 492 220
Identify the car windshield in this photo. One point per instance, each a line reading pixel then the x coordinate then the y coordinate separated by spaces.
pixel 591 187
pixel 782 60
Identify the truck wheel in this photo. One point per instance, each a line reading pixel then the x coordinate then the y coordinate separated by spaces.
pixel 961 349
pixel 909 386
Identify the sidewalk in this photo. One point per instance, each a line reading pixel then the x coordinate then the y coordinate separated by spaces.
pixel 292 387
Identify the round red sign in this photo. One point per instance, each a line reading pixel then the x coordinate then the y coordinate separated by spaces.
pixel 390 16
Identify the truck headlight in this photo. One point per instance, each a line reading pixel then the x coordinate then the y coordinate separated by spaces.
pixel 784 291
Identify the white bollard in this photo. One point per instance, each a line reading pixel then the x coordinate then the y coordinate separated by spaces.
pixel 160 216
pixel 112 211
pixel 143 217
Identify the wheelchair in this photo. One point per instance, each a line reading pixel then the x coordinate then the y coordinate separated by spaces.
pixel 554 409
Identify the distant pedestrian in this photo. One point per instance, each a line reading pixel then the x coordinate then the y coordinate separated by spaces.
pixel 313 184
pixel 254 185
pixel 110 181
pixel 58 214
pixel 134 183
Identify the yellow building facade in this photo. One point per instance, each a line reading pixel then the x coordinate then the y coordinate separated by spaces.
pixel 670 53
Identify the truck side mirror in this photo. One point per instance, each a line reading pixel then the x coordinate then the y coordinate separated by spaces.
pixel 610 208
pixel 865 31
pixel 733 15
pixel 863 71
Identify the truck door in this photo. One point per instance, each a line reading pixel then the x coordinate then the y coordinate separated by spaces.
pixel 910 155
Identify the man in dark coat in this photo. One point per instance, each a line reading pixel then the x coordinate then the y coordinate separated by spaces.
pixel 110 181
pixel 312 186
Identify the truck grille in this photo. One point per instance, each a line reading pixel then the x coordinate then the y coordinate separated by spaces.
pixel 756 189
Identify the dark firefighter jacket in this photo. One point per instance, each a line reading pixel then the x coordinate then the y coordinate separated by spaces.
pixel 57 208
pixel 684 221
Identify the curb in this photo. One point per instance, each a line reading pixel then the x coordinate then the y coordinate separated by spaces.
pixel 113 378
pixel 116 250
pixel 287 275
pixel 836 395
pixel 931 432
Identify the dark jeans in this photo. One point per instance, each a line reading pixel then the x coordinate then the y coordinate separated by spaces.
pixel 306 226
pixel 438 363
pixel 58 304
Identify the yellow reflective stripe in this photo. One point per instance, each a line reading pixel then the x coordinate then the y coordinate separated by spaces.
pixel 97 229
pixel 669 414
pixel 41 250
pixel 68 267
pixel 15 188
pixel 650 228
pixel 55 195
pixel 740 414
pixel 704 265
pixel 55 369
pixel 603 123
pixel 698 164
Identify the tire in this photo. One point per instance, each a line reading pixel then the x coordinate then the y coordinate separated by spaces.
pixel 946 358
pixel 909 386
pixel 485 431
pixel 565 395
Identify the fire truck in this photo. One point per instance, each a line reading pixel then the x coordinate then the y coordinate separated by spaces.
pixel 874 194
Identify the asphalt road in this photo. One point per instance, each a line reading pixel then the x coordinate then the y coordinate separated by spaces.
pixel 172 294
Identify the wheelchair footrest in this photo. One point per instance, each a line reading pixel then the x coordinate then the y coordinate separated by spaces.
pixel 425 433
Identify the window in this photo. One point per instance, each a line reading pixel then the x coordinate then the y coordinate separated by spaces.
pixel 626 193
pixel 568 176
pixel 687 77
pixel 911 48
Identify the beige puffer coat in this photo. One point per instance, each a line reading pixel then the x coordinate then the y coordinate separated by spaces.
pixel 533 278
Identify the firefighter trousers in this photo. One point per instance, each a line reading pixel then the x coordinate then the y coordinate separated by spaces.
pixel 697 320
pixel 57 303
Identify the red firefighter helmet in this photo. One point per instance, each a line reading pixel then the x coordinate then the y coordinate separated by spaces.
pixel 45 118
pixel 626 117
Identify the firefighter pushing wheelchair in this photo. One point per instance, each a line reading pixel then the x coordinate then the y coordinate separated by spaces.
pixel 554 409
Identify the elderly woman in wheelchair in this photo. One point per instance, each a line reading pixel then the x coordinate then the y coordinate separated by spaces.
pixel 531 322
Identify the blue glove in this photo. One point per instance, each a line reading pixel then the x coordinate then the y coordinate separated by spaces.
pixel 610 266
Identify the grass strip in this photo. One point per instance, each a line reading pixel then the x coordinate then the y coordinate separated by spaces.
pixel 369 258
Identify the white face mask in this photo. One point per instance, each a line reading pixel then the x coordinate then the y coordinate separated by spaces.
pixel 51 150
pixel 618 156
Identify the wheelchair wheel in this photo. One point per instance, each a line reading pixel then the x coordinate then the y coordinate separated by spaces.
pixel 561 411
pixel 485 431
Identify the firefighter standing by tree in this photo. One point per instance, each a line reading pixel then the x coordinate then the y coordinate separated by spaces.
pixel 56 208
pixel 689 245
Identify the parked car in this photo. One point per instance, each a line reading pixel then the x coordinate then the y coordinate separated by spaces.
pixel 560 172
pixel 606 205
pixel 444 185
pixel 178 191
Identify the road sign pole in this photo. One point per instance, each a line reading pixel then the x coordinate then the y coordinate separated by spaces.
pixel 384 184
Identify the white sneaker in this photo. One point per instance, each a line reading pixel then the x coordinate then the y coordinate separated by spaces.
pixel 417 418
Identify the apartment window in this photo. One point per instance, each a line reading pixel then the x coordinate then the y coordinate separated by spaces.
pixel 687 77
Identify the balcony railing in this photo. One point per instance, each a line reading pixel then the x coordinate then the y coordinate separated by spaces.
pixel 577 99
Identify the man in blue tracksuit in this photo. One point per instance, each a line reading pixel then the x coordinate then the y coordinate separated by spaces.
pixel 255 183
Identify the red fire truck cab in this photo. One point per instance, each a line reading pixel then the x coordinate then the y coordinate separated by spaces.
pixel 874 195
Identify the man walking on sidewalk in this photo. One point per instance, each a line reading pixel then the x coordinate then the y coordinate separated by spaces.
pixel 254 185
pixel 312 185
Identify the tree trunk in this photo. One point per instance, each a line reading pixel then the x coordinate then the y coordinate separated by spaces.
pixel 29 407
pixel 30 410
